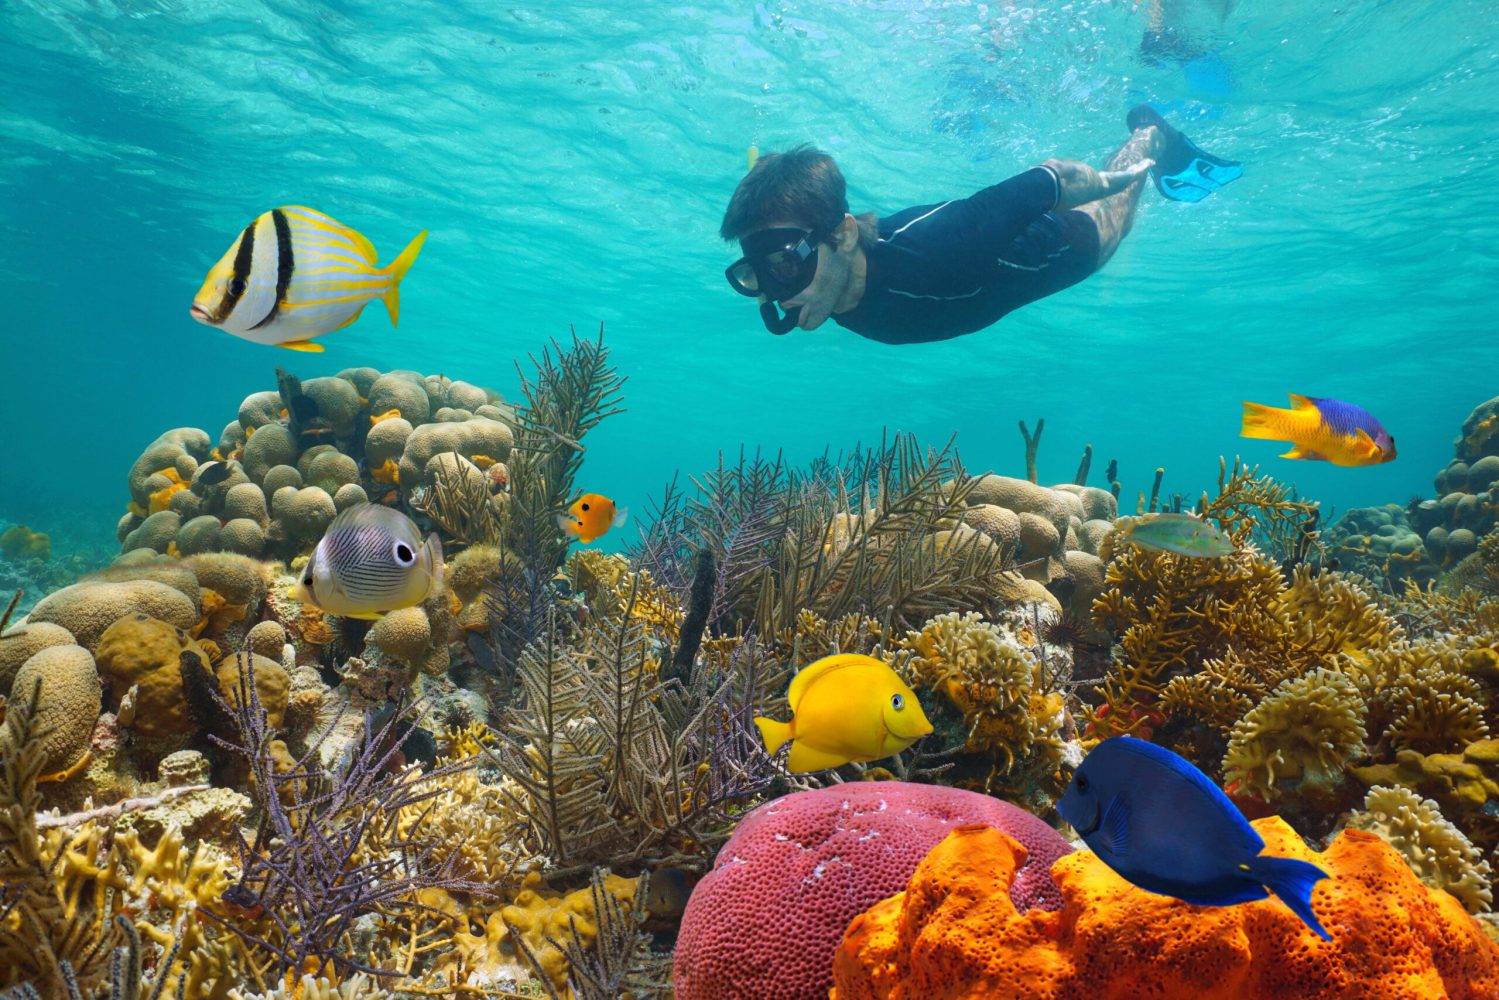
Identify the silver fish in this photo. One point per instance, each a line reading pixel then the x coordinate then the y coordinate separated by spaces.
pixel 1182 534
pixel 370 561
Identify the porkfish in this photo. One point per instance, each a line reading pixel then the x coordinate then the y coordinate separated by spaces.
pixel 1322 430
pixel 845 707
pixel 294 274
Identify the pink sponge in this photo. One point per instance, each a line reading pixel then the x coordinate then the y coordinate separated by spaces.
pixel 765 922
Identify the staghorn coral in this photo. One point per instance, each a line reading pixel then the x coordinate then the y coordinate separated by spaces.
pixel 955 933
pixel 1436 850
pixel 1299 740
pixel 1005 716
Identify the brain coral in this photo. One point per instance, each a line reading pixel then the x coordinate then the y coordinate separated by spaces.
pixel 69 704
pixel 87 609
pixel 765 921
pixel 24 641
pixel 955 933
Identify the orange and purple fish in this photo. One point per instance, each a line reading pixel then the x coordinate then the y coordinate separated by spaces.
pixel 1322 430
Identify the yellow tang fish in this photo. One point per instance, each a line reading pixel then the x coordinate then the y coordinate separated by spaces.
pixel 592 515
pixel 295 274
pixel 846 707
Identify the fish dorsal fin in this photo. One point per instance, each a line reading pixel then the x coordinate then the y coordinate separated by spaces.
pixel 365 247
pixel 1299 402
pixel 1115 827
pixel 803 680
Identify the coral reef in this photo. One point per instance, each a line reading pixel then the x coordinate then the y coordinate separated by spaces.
pixel 994 699
pixel 956 932
pixel 765 921
pixel 1436 850
pixel 284 473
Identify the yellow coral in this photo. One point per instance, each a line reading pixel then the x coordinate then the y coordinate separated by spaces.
pixel 1436 850
pixel 376 418
pixel 1420 696
pixel 484 951
pixel 162 498
pixel 388 472
pixel 1306 732
pixel 20 542
pixel 992 684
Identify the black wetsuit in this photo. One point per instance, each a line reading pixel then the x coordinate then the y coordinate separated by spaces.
pixel 940 271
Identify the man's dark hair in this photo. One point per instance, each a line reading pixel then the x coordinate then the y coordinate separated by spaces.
pixel 801 185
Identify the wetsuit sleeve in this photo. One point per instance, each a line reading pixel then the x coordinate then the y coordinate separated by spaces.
pixel 995 216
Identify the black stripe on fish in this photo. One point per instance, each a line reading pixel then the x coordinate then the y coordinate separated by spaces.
pixel 240 279
pixel 284 264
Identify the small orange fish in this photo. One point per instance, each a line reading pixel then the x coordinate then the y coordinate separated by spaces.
pixel 592 516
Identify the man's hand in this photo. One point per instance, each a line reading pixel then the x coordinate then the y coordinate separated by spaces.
pixel 1081 184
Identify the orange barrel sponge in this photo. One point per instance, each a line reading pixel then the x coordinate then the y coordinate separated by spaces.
pixel 764 923
pixel 955 934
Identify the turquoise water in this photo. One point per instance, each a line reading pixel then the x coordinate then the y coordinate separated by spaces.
pixel 572 162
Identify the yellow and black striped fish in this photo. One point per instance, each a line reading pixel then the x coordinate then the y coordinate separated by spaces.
pixel 295 274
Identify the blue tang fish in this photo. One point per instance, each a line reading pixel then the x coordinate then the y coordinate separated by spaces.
pixel 1160 823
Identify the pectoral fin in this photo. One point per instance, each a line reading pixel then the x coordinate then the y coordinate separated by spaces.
pixel 305 346
pixel 1303 452
pixel 1115 827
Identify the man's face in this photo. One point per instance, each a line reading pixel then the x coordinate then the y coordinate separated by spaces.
pixel 829 283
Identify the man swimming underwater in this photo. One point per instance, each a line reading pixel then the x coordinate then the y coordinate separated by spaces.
pixel 933 272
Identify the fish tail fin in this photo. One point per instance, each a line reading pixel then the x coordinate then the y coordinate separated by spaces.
pixel 1292 881
pixel 1264 422
pixel 775 734
pixel 397 270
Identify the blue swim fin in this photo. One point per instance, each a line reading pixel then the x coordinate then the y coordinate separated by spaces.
pixel 1184 171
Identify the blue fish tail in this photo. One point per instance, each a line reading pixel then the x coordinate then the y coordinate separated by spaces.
pixel 1292 881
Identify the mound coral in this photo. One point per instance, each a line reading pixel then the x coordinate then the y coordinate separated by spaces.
pixel 68 705
pixel 143 653
pixel 766 920
pixel 87 609
pixel 956 933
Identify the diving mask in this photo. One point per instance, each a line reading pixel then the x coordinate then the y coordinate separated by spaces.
pixel 777 264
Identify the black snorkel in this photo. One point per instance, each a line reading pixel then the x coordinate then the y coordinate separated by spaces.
pixel 775 321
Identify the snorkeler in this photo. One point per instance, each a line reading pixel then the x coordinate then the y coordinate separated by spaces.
pixel 933 272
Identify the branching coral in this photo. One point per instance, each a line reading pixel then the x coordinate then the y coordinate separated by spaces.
pixel 1436 850
pixel 328 851
pixel 1302 737
pixel 964 666
pixel 41 935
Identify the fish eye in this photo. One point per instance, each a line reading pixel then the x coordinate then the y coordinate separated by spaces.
pixel 585 506
pixel 897 702
pixel 307 580
pixel 404 555
pixel 1082 782
pixel 237 286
